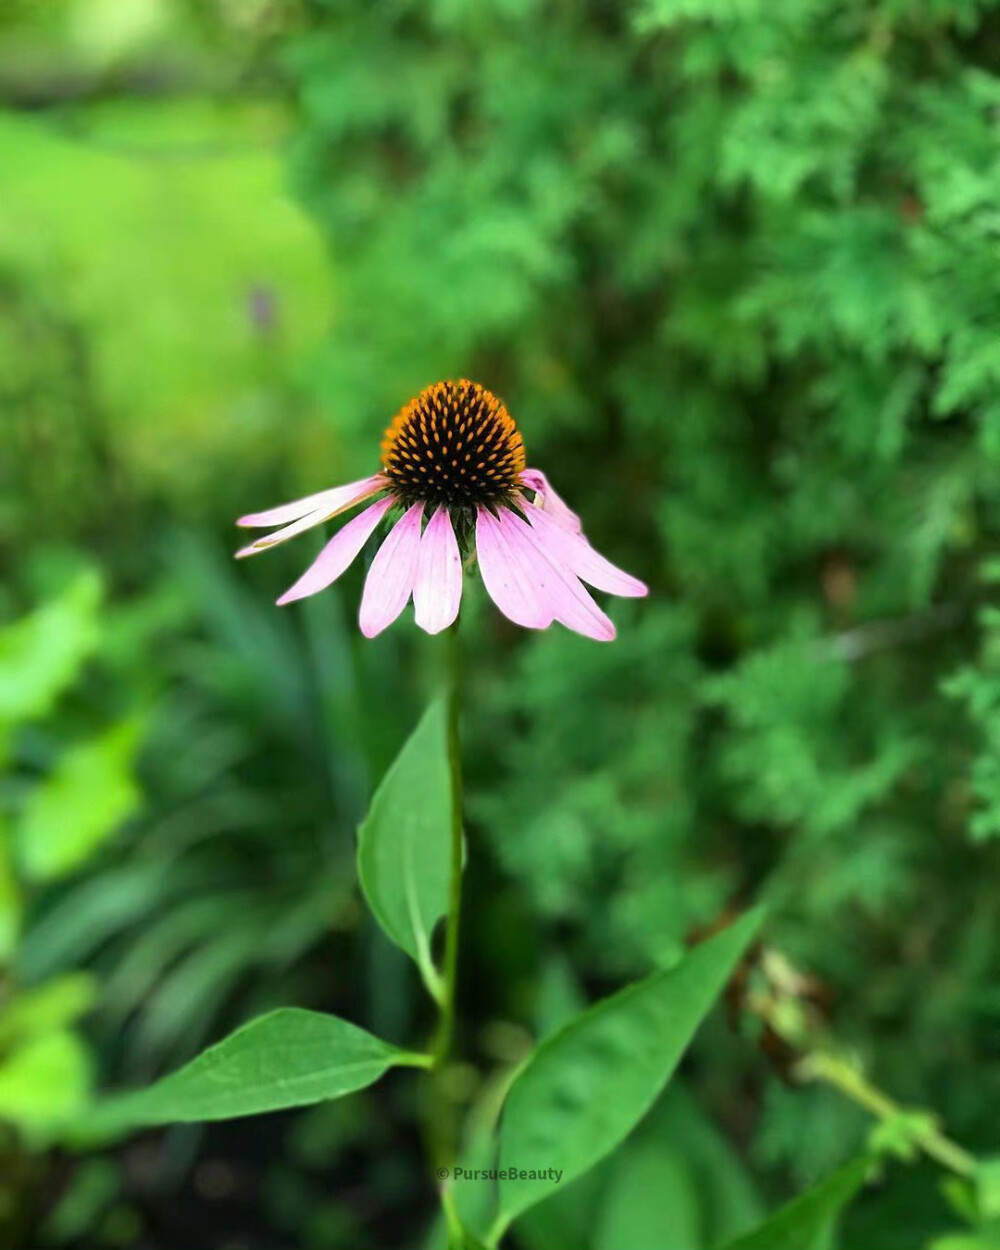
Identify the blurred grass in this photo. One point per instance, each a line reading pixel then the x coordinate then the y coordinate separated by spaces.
pixel 166 230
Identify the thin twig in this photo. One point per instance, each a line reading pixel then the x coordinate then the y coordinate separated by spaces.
pixel 855 644
pixel 854 1085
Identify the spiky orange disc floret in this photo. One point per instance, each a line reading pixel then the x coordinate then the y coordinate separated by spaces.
pixel 455 444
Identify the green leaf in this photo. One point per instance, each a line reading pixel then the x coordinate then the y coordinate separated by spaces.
pixel 90 1190
pixel 11 902
pixel 730 1202
pixel 960 1194
pixel 567 1218
pixel 987 1183
pixel 652 1201
pixel 289 1058
pixel 676 1181
pixel 802 1222
pixel 585 1088
pixel 45 1083
pixel 985 1238
pixel 41 654
pixel 659 13
pixel 901 1134
pixel 404 846
pixel 47 1007
pixel 472 1242
pixel 87 797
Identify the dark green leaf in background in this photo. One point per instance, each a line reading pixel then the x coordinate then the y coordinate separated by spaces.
pixel 11 902
pixel 652 1203
pixel 42 653
pixel 46 1008
pixel 803 1222
pixel 987 1185
pixel 45 1083
pixel 90 793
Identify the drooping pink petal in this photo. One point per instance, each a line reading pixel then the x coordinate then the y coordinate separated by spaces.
pixel 586 562
pixel 289 511
pixel 339 553
pixel 437 590
pixel 391 576
pixel 557 585
pixel 267 541
pixel 511 587
pixel 547 499
pixel 333 503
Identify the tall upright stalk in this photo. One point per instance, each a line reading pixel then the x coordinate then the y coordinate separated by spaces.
pixel 446 1026
pixel 442 1130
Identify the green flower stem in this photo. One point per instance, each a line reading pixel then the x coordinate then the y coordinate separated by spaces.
pixel 822 1066
pixel 446 1028
pixel 441 1126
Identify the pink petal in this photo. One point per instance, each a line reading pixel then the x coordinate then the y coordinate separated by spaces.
pixel 569 603
pixel 547 499
pixel 437 591
pixel 509 584
pixel 288 511
pixel 581 557
pixel 337 501
pixel 329 501
pixel 391 576
pixel 339 553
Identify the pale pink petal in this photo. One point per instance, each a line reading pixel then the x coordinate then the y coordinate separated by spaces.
pixel 339 553
pixel 391 576
pixel 329 502
pixel 568 601
pixel 308 522
pixel 587 563
pixel 508 584
pixel 267 541
pixel 547 499
pixel 437 591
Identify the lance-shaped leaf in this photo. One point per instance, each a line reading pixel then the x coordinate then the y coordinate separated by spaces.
pixel 404 845
pixel 289 1058
pixel 583 1090
pixel 805 1220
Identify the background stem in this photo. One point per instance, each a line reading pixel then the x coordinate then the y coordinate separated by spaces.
pixel 854 1085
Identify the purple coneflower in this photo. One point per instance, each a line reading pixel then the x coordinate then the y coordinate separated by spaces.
pixel 454 458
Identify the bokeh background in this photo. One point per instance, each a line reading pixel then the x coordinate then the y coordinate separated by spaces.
pixel 735 267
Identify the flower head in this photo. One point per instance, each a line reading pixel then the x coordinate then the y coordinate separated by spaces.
pixel 453 460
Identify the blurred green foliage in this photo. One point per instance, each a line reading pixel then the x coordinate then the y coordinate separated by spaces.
pixel 146 237
pixel 734 267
